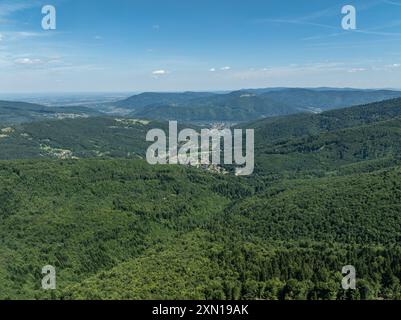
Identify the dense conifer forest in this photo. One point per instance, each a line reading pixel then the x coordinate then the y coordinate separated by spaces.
pixel 77 194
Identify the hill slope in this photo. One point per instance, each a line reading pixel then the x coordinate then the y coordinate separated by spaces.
pixel 12 112
pixel 77 138
pixel 287 243
pixel 123 229
pixel 325 194
pixel 281 128
pixel 246 105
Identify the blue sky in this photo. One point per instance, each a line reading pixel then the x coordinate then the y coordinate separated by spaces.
pixel 175 45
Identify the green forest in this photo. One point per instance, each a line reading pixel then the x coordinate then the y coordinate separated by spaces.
pixel 77 194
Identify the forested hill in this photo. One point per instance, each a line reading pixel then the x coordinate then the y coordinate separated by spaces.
pixel 151 98
pixel 328 142
pixel 232 107
pixel 203 107
pixel 246 105
pixel 12 112
pixel 303 124
pixel 121 229
pixel 325 194
pixel 77 138
pixel 289 241
pixel 125 137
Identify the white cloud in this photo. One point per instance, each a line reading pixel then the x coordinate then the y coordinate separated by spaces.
pixel 354 70
pixel 159 72
pixel 388 67
pixel 392 3
pixel 225 68
pixel 21 35
pixel 28 61
pixel 212 69
pixel 8 8
pixel 26 34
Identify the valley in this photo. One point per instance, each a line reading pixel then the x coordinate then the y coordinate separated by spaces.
pixel 199 108
pixel 78 194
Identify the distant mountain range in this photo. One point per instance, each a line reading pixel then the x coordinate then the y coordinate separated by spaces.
pixel 204 107
pixel 246 105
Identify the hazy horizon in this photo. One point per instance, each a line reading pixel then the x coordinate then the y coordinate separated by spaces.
pixel 133 92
